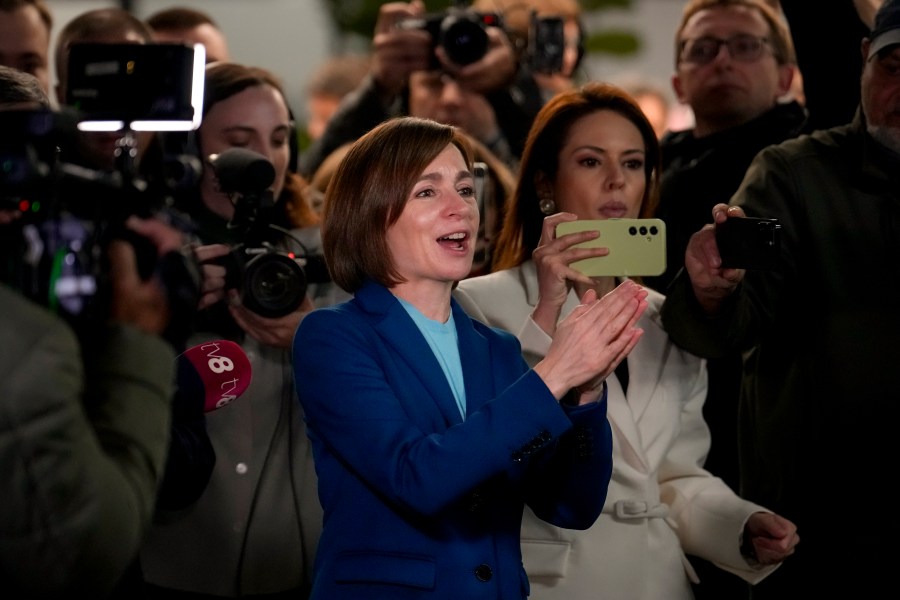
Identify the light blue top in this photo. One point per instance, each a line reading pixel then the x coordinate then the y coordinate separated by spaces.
pixel 442 339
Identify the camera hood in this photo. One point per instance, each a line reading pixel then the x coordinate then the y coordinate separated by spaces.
pixel 142 87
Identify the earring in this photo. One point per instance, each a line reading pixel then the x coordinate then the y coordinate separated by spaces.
pixel 547 206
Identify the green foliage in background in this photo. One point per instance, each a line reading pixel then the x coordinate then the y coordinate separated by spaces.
pixel 358 17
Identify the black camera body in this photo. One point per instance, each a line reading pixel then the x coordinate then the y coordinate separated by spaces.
pixel 461 32
pixel 749 243
pixel 54 252
pixel 547 44
pixel 272 282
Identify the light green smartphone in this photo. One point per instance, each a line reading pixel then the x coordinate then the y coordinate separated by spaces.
pixel 637 247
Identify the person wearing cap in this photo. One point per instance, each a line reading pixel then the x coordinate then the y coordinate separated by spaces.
pixel 819 409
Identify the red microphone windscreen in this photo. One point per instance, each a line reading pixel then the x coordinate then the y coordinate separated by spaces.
pixel 223 370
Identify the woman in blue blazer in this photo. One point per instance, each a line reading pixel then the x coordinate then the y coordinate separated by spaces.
pixel 429 431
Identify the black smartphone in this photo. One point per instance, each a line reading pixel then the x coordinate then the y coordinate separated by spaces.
pixel 546 44
pixel 749 243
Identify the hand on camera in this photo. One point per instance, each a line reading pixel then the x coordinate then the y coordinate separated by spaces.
pixel 276 332
pixel 711 283
pixel 398 51
pixel 212 285
pixel 8 216
pixel 494 71
pixel 134 301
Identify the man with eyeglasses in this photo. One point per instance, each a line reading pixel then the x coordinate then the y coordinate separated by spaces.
pixel 734 62
pixel 819 409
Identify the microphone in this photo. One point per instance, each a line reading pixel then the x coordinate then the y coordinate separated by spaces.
pixel 214 373
pixel 242 171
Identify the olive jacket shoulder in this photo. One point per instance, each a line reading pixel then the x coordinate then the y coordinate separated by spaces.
pixel 82 445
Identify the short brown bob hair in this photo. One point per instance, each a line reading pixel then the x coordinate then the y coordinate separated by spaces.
pixel 369 191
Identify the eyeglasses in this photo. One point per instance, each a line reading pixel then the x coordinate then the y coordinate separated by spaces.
pixel 703 50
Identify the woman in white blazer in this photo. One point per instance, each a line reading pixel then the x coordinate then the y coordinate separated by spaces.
pixel 591 154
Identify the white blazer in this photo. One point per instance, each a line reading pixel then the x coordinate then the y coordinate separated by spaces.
pixel 661 503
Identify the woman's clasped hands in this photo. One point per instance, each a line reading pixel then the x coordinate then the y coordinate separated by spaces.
pixel 591 341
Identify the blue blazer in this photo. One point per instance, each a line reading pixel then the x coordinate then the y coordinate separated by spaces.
pixel 417 502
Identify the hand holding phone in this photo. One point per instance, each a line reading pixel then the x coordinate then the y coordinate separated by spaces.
pixel 749 243
pixel 637 247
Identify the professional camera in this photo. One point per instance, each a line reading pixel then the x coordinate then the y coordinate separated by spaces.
pixel 54 251
pixel 272 281
pixel 460 31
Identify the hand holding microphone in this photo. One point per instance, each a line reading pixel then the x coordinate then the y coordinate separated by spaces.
pixel 209 376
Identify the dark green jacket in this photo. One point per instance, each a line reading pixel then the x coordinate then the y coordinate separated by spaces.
pixel 820 401
pixel 81 452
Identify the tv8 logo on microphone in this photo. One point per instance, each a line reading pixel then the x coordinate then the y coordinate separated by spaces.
pixel 218 371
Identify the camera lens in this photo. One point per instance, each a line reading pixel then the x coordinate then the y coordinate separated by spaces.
pixel 632 230
pixel 274 285
pixel 463 38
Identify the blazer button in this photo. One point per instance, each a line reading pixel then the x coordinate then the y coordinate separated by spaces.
pixel 484 572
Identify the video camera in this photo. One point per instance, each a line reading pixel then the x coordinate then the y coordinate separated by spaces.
pixel 272 281
pixel 54 251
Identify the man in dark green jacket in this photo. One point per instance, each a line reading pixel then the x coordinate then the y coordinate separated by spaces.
pixel 819 402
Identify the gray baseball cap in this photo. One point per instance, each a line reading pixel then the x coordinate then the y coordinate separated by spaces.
pixel 886 31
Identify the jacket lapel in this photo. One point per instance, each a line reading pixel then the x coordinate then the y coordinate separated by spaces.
pixel 398 330
pixel 626 410
pixel 475 358
pixel 621 419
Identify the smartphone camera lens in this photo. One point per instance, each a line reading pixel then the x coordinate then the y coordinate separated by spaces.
pixel 632 230
pixel 653 230
pixel 643 230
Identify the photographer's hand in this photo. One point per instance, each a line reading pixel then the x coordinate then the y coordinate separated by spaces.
pixel 212 286
pixel 711 283
pixel 8 216
pixel 397 51
pixel 496 70
pixel 134 301
pixel 278 333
